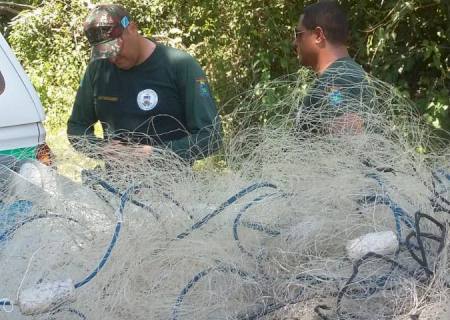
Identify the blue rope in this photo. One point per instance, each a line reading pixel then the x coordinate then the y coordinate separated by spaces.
pixel 108 187
pixel 78 313
pixel 444 173
pixel 70 310
pixel 374 284
pixel 437 194
pixel 205 220
pixel 399 213
pixel 9 214
pixel 10 232
pixel 224 205
pixel 123 200
pixel 197 278
pixel 17 207
pixel 260 227
pixel 266 309
pixel 238 218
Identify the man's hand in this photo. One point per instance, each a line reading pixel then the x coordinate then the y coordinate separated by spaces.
pixel 349 123
pixel 111 150
pixel 117 150
pixel 142 150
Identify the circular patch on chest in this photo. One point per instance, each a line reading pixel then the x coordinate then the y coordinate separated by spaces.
pixel 2 83
pixel 147 99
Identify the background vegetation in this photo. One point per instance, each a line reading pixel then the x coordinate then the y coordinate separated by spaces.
pixel 241 43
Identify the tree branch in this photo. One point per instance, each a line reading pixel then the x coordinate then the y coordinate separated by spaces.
pixel 8 11
pixel 16 6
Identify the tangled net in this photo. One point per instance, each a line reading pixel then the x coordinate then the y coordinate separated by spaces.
pixel 263 231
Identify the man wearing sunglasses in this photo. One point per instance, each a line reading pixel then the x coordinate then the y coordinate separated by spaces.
pixel 333 101
pixel 143 93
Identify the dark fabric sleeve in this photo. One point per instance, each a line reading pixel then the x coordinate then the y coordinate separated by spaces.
pixel 202 120
pixel 80 126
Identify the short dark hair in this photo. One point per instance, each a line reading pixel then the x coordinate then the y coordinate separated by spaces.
pixel 330 17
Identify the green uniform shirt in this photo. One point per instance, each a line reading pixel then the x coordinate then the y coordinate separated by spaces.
pixel 340 89
pixel 165 101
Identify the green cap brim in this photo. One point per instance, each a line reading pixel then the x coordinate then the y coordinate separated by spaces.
pixel 106 50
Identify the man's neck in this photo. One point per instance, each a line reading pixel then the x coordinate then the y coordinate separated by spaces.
pixel 147 48
pixel 327 58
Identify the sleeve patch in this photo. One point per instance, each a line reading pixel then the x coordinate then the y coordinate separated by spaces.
pixel 202 87
pixel 335 97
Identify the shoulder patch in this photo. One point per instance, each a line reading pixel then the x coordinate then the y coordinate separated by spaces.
pixel 335 96
pixel 202 87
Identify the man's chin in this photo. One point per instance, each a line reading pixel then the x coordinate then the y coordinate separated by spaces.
pixel 124 66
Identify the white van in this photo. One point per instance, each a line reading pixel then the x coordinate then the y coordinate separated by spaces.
pixel 22 135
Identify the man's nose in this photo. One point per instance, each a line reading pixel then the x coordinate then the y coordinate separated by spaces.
pixel 294 45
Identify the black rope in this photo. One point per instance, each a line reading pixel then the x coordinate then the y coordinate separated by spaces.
pixel 422 261
pixel 356 267
pixel 10 232
pixel 197 278
pixel 238 218
pixel 318 310
pixel 436 195
pixel 69 310
pixel 223 206
pixel 265 310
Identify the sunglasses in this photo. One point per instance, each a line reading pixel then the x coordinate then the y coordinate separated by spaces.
pixel 298 33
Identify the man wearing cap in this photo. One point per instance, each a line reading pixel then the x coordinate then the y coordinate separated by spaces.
pixel 142 92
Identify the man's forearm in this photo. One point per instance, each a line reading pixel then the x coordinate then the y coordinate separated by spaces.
pixel 350 123
pixel 198 145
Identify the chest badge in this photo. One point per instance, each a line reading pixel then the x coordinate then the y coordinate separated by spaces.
pixel 147 99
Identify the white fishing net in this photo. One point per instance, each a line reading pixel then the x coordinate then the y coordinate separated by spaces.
pixel 261 231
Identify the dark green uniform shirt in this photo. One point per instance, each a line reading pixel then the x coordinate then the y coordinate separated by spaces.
pixel 165 101
pixel 340 89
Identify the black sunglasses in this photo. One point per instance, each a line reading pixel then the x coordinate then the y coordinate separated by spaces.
pixel 298 33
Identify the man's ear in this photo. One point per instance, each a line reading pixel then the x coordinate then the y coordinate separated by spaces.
pixel 319 35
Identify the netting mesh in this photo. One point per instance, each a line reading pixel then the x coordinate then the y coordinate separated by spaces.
pixel 262 236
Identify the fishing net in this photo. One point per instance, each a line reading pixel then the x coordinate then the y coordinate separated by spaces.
pixel 304 214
